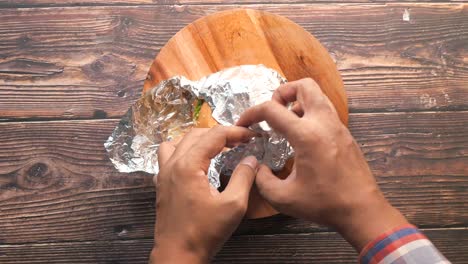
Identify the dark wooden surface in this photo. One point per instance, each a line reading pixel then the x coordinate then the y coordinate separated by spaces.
pixel 69 70
pixel 90 62
pixel 61 3
pixel 320 247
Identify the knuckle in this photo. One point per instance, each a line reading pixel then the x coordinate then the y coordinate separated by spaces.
pixel 165 144
pixel 308 82
pixel 216 130
pixel 322 102
pixel 194 132
pixel 241 207
pixel 190 133
pixel 326 112
pixel 331 105
pixel 281 198
pixel 180 165
pixel 277 93
pixel 326 104
pixel 347 138
pixel 333 150
pixel 307 134
pixel 237 205
pixel 267 105
pixel 275 194
pixel 245 170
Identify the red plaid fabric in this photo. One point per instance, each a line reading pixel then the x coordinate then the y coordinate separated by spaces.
pixel 401 245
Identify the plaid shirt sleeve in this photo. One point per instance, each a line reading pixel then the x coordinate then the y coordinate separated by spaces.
pixel 402 245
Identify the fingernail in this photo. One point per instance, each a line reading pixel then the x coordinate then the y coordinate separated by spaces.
pixel 250 161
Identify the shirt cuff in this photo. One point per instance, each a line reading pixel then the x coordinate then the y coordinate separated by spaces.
pixel 404 244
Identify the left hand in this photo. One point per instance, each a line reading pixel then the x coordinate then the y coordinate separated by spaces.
pixel 194 220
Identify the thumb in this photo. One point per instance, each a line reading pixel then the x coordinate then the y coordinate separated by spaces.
pixel 241 180
pixel 270 186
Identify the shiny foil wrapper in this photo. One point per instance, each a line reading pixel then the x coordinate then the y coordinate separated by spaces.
pixel 166 112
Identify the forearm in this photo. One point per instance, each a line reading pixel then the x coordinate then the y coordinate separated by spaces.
pixel 172 255
pixel 403 244
pixel 370 219
pixel 382 235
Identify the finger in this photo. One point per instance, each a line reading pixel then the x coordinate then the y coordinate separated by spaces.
pixel 297 109
pixel 275 114
pixel 272 188
pixel 188 140
pixel 285 96
pixel 285 93
pixel 241 181
pixel 176 141
pixel 165 151
pixel 214 191
pixel 212 143
pixel 306 91
pixel 312 97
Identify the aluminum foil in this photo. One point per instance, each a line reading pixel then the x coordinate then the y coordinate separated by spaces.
pixel 166 112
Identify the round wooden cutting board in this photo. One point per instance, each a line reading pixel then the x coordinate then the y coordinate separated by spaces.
pixel 244 36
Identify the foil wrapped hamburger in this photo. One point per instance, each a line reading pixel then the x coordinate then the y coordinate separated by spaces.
pixel 169 110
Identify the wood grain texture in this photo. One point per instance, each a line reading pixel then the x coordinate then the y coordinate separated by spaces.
pixel 57 184
pixel 61 3
pixel 90 62
pixel 61 200
pixel 284 248
pixel 246 36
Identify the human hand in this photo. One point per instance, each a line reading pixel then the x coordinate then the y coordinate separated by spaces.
pixel 194 220
pixel 331 182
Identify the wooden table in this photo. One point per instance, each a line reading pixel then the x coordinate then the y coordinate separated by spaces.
pixel 70 69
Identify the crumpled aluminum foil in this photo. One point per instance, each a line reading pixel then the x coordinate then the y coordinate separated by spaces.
pixel 166 112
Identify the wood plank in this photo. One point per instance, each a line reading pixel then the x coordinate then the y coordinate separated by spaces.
pixel 57 184
pixel 323 248
pixel 55 3
pixel 284 248
pixel 90 62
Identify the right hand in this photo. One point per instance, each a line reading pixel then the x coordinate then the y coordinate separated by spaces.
pixel 331 182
